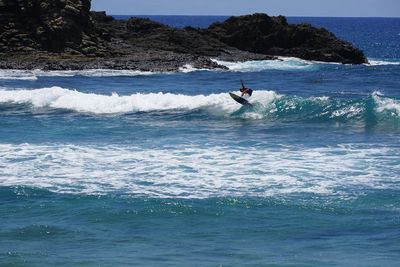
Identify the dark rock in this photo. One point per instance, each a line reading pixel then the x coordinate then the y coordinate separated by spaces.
pixel 260 33
pixel 101 16
pixel 64 34
pixel 143 26
pixel 51 25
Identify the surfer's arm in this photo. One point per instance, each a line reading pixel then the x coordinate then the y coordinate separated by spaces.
pixel 241 81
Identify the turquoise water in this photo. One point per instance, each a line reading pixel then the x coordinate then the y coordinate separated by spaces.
pixel 122 168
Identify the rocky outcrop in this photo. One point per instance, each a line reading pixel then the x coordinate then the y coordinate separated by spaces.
pixel 260 33
pixel 141 34
pixel 64 34
pixel 53 26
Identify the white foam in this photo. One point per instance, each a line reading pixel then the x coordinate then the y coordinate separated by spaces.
pixel 386 104
pixel 57 97
pixel 373 62
pixel 320 98
pixel 34 74
pixel 348 112
pixel 17 75
pixel 199 172
pixel 283 63
pixel 187 68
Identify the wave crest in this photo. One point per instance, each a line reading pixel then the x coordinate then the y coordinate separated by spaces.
pixel 267 105
pixel 283 63
pixel 57 97
pixel 33 75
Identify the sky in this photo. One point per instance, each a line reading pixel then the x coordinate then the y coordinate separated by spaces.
pixel 312 8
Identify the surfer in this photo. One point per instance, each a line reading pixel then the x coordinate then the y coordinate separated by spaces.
pixel 245 91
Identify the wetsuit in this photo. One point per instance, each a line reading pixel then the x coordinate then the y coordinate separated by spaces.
pixel 245 90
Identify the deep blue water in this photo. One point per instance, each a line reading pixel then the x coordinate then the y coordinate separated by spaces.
pixel 120 168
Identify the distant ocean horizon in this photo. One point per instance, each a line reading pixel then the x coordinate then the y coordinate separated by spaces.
pixel 124 168
pixel 203 21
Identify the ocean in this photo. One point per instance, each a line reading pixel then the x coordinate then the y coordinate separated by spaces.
pixel 129 168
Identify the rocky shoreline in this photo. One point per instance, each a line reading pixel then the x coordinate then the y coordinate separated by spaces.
pixel 66 35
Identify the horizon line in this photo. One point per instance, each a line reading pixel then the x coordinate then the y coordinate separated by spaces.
pixel 297 16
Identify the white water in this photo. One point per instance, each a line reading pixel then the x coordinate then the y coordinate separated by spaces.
pixel 374 62
pixel 61 98
pixel 57 97
pixel 284 63
pixel 35 74
pixel 197 172
pixel 386 104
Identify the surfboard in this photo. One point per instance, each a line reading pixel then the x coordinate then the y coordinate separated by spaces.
pixel 240 100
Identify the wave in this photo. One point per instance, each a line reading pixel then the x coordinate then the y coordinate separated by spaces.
pixel 375 62
pixel 35 74
pixel 17 75
pixel 283 63
pixel 371 109
pixel 287 64
pixel 57 97
pixel 267 105
pixel 198 172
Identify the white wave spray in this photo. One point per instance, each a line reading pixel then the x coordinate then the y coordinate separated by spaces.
pixel 57 97
pixel 385 104
pixel 376 62
pixel 283 63
pixel 199 172
pixel 35 74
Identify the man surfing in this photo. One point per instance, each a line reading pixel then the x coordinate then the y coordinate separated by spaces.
pixel 246 92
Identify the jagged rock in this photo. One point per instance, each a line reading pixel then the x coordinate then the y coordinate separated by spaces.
pixel 51 25
pixel 101 16
pixel 64 34
pixel 260 33
pixel 144 26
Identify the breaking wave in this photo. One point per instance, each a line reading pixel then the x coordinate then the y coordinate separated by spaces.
pixel 268 105
pixel 283 63
pixel 35 74
pixel 57 97
pixel 375 62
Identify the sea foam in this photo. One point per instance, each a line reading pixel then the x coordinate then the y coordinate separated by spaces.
pixel 283 63
pixel 57 97
pixel 199 172
pixel 35 74
pixel 385 104
pixel 374 62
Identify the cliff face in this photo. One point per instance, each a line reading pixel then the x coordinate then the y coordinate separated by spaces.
pixel 54 26
pixel 260 33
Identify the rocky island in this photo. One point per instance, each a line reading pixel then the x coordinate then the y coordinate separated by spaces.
pixel 66 35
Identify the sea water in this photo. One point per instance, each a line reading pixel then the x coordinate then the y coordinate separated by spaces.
pixel 129 168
